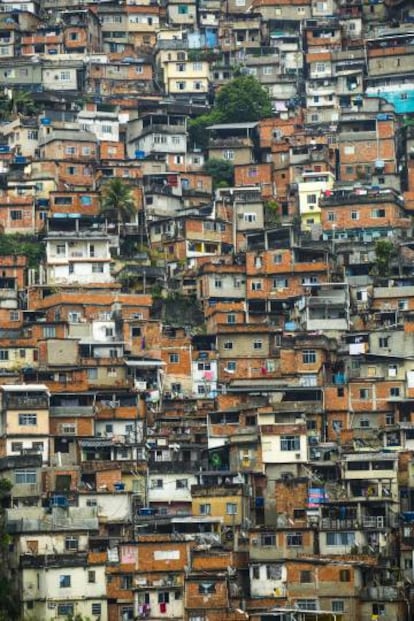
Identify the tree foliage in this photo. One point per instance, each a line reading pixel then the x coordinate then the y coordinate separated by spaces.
pixel 9 600
pixel 117 202
pixel 31 247
pixel 20 102
pixel 221 172
pixel 243 99
pixel 385 251
pixel 197 128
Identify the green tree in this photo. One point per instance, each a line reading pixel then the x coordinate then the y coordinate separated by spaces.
pixel 243 99
pixel 9 599
pixel 31 247
pixel 385 251
pixel 221 171
pixel 197 128
pixel 271 213
pixel 117 202
pixel 22 102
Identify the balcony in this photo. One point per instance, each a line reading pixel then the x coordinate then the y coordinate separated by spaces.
pixel 27 403
pixel 161 467
pixel 380 593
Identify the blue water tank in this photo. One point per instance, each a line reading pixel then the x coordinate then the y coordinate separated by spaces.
pixel 139 155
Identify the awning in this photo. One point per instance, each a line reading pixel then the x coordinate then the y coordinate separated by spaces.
pixel 144 363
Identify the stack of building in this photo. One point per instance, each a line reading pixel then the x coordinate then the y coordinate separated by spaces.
pixel 207 409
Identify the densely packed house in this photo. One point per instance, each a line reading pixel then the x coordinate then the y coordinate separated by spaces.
pixel 207 382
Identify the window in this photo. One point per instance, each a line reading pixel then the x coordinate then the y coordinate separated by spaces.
pixel 306 577
pixel 97 268
pixel 294 540
pixel 394 391
pixel 65 76
pixel 231 365
pixel 364 393
pixel 231 508
pixel 354 215
pixel 204 366
pixel 257 344
pixel 174 358
pixel 49 332
pixel 28 419
pixel 92 373
pixel 176 387
pixel 289 443
pixel 338 605
pixel 267 539
pixel 228 155
pixel 364 423
pixel 378 609
pixel 309 356
pixel 181 484
pixel 256 572
pixel 70 150
pixel 182 9
pixel 157 484
pixel 307 604
pixel 383 341
pixel 231 318
pixel 64 581
pixel 257 285
pixel 310 280
pixel 250 217
pixel 340 539
pixel 91 576
pixel 96 608
pixel 206 588
pixel 126 582
pixel 127 613
pixel 14 316
pixel 311 199
pixel 218 283
pixel 331 216
pixel 344 575
pixel 23 477
pixel 71 543
pixel 378 213
pixel 389 419
pixel 65 610
pixel 16 447
pixel 277 258
pixel 299 514
pixel 16 214
pixel 402 304
pixel 280 283
pixel 205 509
pixel 180 85
pixel 228 345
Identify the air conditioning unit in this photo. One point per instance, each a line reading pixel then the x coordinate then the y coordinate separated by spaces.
pixel 255 542
pixel 297 455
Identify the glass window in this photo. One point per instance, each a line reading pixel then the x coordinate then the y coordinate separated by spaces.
pixel 289 443
pixel 64 581
pixel 23 477
pixel 28 419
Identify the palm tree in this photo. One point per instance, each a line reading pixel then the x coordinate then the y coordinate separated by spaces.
pixel 23 102
pixel 117 202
